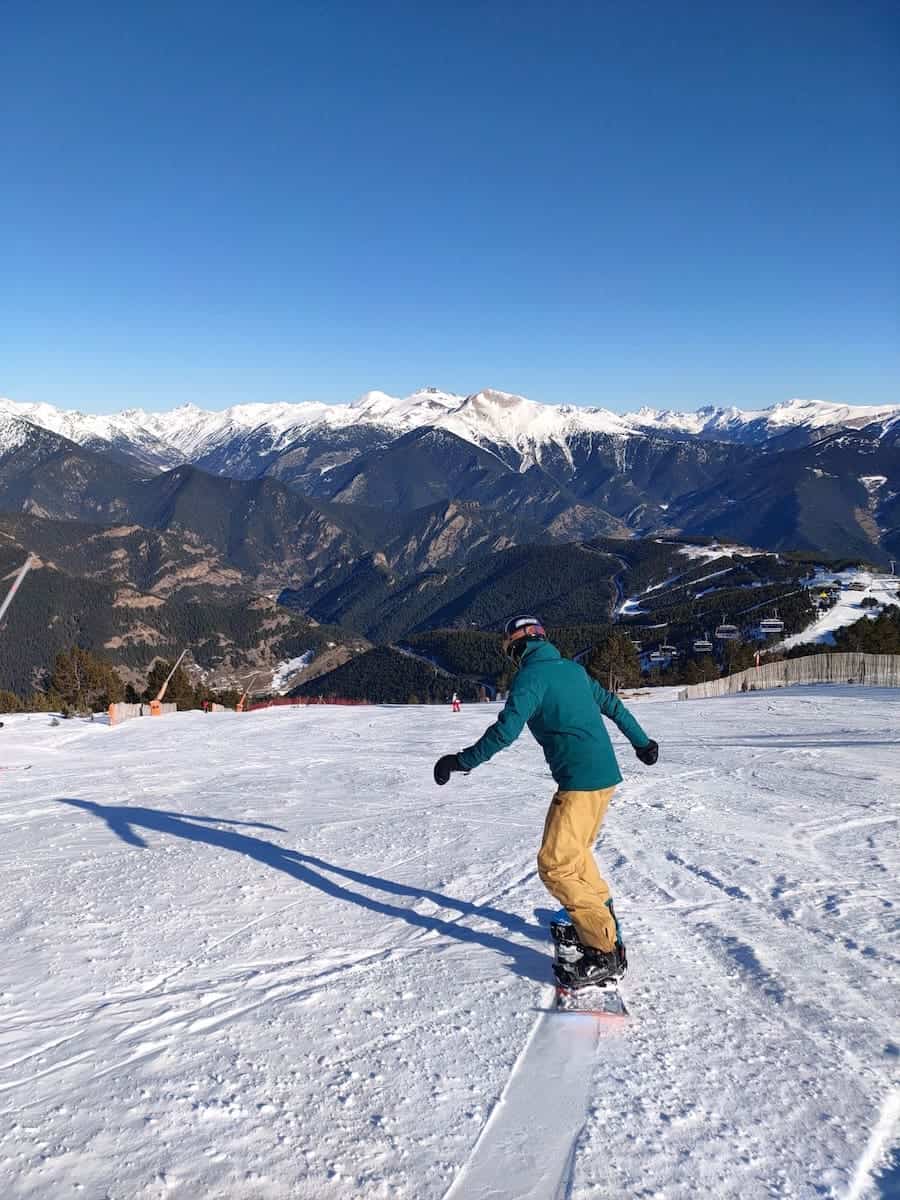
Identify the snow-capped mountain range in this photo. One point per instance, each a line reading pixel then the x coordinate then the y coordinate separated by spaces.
pixel 490 419
pixel 804 419
pixel 793 476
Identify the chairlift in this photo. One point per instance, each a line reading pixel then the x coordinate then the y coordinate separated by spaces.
pixel 636 642
pixel 771 625
pixel 727 632
pixel 666 649
pixel 657 656
pixel 703 645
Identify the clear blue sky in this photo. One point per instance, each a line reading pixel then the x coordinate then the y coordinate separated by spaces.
pixel 601 203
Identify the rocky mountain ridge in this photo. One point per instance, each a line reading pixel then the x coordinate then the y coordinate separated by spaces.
pixel 513 425
pixel 521 471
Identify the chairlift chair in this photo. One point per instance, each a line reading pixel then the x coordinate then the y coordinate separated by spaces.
pixel 703 645
pixel 667 649
pixel 727 632
pixel 770 625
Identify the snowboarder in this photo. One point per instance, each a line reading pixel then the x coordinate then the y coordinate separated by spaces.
pixel 455 703
pixel 562 704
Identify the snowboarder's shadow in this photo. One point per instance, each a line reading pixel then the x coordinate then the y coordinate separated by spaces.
pixel 125 821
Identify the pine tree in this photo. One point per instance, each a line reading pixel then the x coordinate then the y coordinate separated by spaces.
pixel 84 682
pixel 739 656
pixel 614 663
pixel 700 670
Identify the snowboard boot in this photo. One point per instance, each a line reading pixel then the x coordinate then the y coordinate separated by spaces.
pixel 596 968
pixel 620 945
pixel 576 965
pixel 569 952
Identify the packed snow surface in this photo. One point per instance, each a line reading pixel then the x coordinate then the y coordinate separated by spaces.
pixel 263 957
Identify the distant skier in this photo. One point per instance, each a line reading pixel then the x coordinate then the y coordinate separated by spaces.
pixel 562 704
pixel 455 703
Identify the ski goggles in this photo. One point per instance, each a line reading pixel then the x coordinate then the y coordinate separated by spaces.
pixel 517 635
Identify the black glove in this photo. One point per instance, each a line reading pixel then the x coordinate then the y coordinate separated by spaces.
pixel 648 754
pixel 444 768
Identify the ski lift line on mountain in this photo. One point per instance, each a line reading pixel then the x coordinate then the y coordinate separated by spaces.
pixel 765 604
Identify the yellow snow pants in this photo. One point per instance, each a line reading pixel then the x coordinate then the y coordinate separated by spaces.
pixel 567 868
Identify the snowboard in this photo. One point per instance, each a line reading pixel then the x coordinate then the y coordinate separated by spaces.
pixel 606 1001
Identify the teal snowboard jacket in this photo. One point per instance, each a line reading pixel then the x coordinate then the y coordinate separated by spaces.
pixel 561 704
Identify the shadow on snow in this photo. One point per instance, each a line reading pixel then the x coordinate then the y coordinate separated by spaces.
pixel 125 821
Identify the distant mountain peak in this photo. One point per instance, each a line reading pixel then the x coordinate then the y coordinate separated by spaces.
pixel 245 439
pixel 14 432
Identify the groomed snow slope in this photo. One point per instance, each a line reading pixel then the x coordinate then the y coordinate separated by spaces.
pixel 884 589
pixel 262 957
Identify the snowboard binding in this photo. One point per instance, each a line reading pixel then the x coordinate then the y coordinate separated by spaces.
pixel 578 966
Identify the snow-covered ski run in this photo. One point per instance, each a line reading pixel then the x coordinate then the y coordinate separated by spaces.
pixel 263 957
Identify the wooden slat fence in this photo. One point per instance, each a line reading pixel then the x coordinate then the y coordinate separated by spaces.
pixel 118 713
pixel 868 670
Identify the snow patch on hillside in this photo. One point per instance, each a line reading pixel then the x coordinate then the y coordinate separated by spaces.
pixel 14 432
pixel 720 550
pixel 283 675
pixel 873 483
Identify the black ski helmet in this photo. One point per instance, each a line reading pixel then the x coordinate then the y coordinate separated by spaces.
pixel 518 632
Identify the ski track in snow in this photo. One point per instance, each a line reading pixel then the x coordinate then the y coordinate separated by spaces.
pixel 263 957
